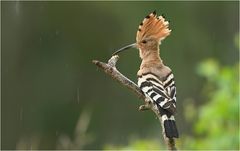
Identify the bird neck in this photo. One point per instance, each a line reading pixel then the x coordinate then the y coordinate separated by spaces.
pixel 151 58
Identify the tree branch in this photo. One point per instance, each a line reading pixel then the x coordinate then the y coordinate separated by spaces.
pixel 111 70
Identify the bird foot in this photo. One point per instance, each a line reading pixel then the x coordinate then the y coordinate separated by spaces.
pixel 144 107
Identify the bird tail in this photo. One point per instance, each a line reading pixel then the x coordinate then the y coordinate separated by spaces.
pixel 169 124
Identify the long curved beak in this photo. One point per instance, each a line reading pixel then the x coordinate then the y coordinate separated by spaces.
pixel 125 48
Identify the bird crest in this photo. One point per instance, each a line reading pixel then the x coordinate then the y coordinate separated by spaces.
pixel 153 26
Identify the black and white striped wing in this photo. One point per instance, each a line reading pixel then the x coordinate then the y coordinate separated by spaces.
pixel 161 93
pixel 170 87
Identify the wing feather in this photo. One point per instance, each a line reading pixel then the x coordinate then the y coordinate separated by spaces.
pixel 161 93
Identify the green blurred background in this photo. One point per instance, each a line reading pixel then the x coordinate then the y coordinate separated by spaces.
pixel 53 97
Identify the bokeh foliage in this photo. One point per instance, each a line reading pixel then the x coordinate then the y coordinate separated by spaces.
pixel 217 126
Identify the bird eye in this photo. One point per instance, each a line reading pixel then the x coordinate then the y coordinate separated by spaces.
pixel 144 41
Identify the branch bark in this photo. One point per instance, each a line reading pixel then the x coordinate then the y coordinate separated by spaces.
pixel 111 70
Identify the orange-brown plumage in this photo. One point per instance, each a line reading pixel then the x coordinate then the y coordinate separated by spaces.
pixel 150 32
pixel 153 27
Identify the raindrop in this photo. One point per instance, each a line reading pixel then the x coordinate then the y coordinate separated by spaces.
pixel 78 99
pixel 17 7
pixel 21 113
pixel 56 32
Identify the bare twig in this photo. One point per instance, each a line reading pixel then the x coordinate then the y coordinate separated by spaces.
pixel 111 70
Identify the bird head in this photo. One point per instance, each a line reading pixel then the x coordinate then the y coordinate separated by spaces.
pixel 150 32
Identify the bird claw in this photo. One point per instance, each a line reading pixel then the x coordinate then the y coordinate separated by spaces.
pixel 146 106
pixel 143 107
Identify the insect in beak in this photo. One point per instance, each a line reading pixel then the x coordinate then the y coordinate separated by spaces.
pixel 134 45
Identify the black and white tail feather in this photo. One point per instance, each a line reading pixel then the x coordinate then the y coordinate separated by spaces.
pixel 163 95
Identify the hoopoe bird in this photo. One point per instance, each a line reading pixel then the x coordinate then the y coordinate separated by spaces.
pixel 155 79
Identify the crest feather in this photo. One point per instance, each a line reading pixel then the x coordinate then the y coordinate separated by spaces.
pixel 154 27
